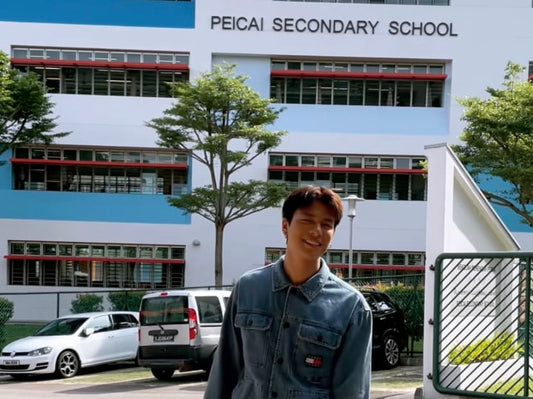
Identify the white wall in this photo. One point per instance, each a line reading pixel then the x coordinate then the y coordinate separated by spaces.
pixel 459 219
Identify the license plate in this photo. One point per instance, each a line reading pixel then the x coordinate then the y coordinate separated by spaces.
pixel 163 338
pixel 11 362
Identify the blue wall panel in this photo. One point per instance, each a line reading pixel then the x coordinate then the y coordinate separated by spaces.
pixel 148 13
pixel 89 207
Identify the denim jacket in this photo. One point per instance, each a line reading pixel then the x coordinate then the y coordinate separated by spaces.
pixel 279 340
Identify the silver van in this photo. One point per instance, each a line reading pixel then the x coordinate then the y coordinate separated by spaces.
pixel 180 330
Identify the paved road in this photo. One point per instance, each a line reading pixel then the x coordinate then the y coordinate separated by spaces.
pixel 125 382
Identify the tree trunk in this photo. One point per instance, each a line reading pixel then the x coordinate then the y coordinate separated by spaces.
pixel 219 239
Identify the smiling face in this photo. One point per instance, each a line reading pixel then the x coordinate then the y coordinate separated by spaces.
pixel 310 232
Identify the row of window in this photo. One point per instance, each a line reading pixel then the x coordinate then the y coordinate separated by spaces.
pixel 107 81
pixel 100 179
pixel 104 154
pixel 345 161
pixel 96 250
pixel 405 2
pixel 397 187
pixel 95 274
pixel 69 54
pixel 336 257
pixel 344 66
pixel 387 93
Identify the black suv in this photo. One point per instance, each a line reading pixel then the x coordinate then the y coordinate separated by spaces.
pixel 389 335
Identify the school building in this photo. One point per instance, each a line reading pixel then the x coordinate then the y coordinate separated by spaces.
pixel 365 85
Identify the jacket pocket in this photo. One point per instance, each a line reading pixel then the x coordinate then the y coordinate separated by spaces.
pixel 314 354
pixel 255 331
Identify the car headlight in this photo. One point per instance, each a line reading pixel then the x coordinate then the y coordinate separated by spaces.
pixel 41 351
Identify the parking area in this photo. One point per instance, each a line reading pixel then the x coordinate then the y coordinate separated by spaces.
pixel 124 381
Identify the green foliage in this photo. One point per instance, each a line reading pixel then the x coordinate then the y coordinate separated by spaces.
pixel 222 123
pixel 410 299
pixel 24 109
pixel 498 141
pixel 510 387
pixel 6 312
pixel 125 300
pixel 500 346
pixel 87 303
pixel 12 332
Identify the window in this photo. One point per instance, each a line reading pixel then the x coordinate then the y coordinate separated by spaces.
pixel 209 309
pixel 367 84
pixel 164 310
pixel 372 177
pixel 100 171
pixel 368 264
pixel 100 324
pixel 87 265
pixel 103 72
pixel 123 320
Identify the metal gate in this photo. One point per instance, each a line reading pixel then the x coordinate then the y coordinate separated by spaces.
pixel 483 325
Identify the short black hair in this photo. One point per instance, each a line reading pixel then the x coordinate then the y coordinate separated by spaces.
pixel 303 197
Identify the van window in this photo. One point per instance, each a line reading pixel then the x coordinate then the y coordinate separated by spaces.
pixel 164 310
pixel 209 309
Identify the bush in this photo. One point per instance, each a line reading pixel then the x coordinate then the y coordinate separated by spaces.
pixel 125 300
pixel 500 346
pixel 87 303
pixel 6 312
pixel 410 299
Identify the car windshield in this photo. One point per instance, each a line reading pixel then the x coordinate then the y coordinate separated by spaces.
pixel 66 326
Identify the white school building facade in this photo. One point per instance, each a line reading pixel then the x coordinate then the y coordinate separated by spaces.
pixel 365 86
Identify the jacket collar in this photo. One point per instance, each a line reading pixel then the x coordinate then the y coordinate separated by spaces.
pixel 309 289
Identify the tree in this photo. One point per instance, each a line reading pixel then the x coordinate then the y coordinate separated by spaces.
pixel 24 109
pixel 498 142
pixel 222 123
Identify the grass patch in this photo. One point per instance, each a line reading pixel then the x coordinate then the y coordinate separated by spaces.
pixel 17 331
pixel 514 387
pixel 110 377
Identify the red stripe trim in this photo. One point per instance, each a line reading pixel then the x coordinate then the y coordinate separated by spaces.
pixel 378 267
pixel 92 259
pixel 349 170
pixel 357 75
pixel 531 77
pixel 100 64
pixel 107 164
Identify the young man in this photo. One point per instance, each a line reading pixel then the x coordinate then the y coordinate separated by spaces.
pixel 292 329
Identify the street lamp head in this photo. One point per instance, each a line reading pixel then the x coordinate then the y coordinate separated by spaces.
pixel 352 200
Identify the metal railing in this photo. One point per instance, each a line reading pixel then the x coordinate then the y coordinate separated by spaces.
pixel 483 338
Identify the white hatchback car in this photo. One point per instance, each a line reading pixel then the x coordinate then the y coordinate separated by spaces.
pixel 68 343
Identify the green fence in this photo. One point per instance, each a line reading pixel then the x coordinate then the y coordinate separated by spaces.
pixel 483 339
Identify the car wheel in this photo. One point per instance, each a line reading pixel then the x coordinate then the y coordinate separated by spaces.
pixel 163 374
pixel 136 360
pixel 67 364
pixel 390 352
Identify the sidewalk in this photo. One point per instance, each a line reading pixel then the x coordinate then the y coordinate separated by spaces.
pixel 398 383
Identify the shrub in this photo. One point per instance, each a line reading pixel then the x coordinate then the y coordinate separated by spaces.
pixel 500 346
pixel 87 303
pixel 125 300
pixel 6 312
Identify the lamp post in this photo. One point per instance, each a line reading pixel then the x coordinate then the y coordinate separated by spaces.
pixel 352 202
